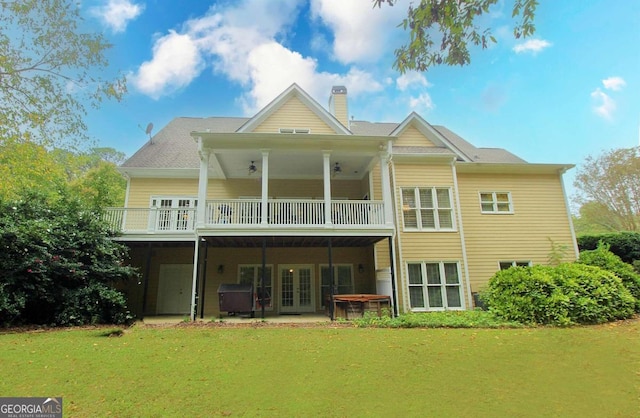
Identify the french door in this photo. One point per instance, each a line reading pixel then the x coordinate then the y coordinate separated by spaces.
pixel 297 288
pixel 174 214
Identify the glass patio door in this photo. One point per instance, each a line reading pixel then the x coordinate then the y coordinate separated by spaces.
pixel 297 289
pixel 174 214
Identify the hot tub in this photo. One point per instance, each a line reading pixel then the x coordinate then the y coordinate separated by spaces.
pixel 349 306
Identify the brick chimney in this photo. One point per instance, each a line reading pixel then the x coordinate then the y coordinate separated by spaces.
pixel 338 104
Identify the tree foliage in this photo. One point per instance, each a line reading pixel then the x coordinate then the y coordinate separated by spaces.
pixel 609 188
pixel 625 245
pixel 59 264
pixel 49 70
pixel 441 31
pixel 92 175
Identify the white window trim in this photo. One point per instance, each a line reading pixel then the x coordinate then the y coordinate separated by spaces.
pixel 419 227
pixel 424 286
pixel 494 202
pixel 515 263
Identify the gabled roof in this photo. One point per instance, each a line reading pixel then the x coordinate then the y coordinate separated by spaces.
pixel 294 91
pixel 430 132
pixel 173 146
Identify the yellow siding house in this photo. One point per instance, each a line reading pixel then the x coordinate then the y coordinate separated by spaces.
pixel 299 207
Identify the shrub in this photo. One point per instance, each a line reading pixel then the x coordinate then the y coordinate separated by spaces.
pixel 602 257
pixel 564 295
pixel 625 245
pixel 58 264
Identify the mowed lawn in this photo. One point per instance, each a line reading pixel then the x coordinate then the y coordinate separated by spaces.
pixel 330 371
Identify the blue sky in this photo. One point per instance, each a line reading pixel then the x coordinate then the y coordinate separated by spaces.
pixel 571 90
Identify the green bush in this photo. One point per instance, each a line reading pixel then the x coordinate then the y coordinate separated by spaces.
pixel 602 257
pixel 625 245
pixel 444 319
pixel 58 264
pixel 568 294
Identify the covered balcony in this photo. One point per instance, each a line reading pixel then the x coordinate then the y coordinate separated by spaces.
pixel 221 214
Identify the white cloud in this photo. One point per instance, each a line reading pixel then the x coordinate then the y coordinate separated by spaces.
pixel 422 102
pixel 361 32
pixel 176 62
pixel 240 43
pixel 532 45
pixel 605 105
pixel 614 83
pixel 411 78
pixel 116 14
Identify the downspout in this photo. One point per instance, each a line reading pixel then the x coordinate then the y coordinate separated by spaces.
pixel 204 277
pixel 566 205
pixel 397 236
pixel 393 277
pixel 461 230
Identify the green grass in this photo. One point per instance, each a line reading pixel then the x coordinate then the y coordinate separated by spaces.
pixel 221 370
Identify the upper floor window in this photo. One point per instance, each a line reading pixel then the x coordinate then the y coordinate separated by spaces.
pixel 496 202
pixel 427 208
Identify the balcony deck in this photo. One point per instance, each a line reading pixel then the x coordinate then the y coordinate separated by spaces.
pixel 247 215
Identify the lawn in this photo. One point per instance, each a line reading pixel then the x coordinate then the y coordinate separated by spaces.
pixel 330 371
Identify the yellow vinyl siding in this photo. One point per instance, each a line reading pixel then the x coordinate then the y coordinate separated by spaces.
pixel 411 137
pixel 141 189
pixel 434 246
pixel 539 217
pixel 294 114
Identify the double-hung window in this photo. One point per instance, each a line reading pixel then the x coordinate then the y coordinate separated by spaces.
pixel 496 202
pixel 435 286
pixel 427 208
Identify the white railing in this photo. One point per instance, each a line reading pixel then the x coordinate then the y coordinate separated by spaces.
pixel 296 212
pixel 242 213
pixel 151 220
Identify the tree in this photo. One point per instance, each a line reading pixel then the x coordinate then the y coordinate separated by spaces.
pixel 92 176
pixel 610 185
pixel 49 71
pixel 458 25
pixel 59 264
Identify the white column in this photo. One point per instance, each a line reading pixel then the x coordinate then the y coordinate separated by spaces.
pixel 203 183
pixel 387 197
pixel 326 175
pixel 265 187
pixel 195 279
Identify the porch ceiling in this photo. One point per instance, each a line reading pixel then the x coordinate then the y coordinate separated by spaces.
pixel 292 241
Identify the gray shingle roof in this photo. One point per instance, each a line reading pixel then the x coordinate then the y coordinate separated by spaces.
pixel 173 146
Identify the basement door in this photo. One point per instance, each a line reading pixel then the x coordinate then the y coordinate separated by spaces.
pixel 297 289
pixel 174 289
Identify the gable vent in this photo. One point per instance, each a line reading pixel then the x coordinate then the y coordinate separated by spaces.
pixel 295 130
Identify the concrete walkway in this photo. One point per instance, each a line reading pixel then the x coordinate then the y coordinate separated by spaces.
pixel 243 319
